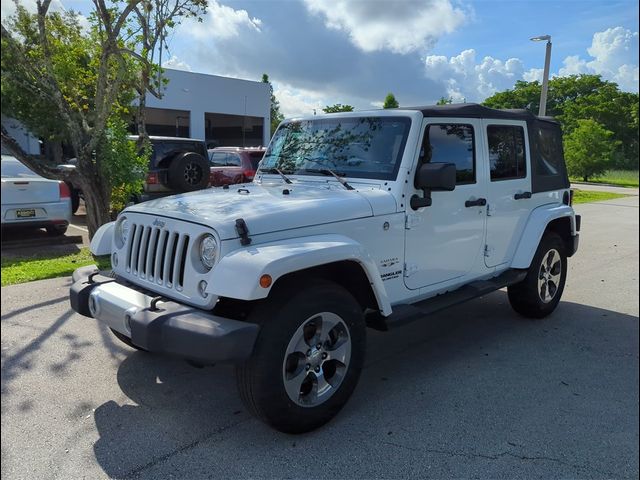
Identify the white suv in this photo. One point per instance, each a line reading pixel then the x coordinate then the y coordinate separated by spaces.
pixel 353 220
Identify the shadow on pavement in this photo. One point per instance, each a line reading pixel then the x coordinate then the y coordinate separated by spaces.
pixel 478 364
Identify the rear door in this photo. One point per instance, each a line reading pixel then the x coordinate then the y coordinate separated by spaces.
pixel 509 187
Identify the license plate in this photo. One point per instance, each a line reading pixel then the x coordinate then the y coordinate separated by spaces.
pixel 25 213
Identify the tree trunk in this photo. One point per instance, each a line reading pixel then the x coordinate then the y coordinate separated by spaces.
pixel 97 202
pixel 585 178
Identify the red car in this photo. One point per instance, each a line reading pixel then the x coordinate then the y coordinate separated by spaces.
pixel 231 165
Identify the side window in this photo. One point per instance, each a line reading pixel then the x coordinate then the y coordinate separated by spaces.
pixel 233 160
pixel 550 152
pixel 506 152
pixel 451 143
pixel 218 159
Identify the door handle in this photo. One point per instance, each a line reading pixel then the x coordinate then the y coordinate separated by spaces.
pixel 480 202
pixel 520 196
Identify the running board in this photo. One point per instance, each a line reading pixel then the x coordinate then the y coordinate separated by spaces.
pixel 406 313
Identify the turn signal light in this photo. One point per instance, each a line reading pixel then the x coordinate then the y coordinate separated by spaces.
pixel 265 281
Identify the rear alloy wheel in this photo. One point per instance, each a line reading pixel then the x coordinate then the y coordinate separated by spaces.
pixel 307 358
pixel 539 293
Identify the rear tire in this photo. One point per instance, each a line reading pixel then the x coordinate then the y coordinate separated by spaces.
pixel 188 172
pixel 56 231
pixel 307 357
pixel 539 293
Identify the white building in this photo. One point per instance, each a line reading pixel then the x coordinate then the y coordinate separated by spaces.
pixel 223 111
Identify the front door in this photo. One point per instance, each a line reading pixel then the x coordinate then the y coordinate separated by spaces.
pixel 443 241
pixel 509 189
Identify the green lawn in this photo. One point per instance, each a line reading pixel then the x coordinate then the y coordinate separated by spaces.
pixel 27 269
pixel 622 178
pixel 584 196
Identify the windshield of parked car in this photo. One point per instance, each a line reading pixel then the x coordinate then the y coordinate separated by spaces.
pixel 363 147
pixel 12 168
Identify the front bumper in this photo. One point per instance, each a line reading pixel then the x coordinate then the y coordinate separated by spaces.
pixel 169 327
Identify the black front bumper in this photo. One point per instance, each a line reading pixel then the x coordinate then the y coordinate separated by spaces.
pixel 169 327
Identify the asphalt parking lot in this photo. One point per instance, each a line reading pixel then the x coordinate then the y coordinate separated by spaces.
pixel 474 392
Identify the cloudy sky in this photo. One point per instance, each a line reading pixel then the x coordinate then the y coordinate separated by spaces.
pixel 321 52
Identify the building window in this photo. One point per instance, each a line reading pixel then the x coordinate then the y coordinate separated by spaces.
pixel 506 152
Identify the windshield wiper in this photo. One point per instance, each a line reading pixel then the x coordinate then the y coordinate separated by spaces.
pixel 326 171
pixel 276 170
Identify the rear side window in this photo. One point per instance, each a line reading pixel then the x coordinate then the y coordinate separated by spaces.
pixel 506 152
pixel 451 143
pixel 233 160
pixel 550 156
pixel 218 159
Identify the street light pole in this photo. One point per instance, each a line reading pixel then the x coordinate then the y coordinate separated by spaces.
pixel 545 76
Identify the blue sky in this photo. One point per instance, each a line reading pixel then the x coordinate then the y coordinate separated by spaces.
pixel 320 52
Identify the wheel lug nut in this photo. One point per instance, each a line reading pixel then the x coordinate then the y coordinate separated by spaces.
pixel 324 355
pixel 319 346
pixel 317 369
pixel 308 353
pixel 308 367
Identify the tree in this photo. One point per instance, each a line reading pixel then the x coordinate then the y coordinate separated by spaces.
pixel 444 101
pixel 338 107
pixel 588 149
pixel 578 97
pixel 75 86
pixel 276 115
pixel 390 101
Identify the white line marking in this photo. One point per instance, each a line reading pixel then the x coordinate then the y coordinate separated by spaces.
pixel 79 228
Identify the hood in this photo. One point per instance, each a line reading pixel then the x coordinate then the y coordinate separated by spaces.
pixel 268 208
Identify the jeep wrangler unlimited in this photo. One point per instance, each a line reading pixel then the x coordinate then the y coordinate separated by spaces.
pixel 353 220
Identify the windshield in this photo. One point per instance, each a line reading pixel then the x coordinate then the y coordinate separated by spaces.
pixel 12 168
pixel 365 147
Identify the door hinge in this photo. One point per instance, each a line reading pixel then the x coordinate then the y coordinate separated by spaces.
pixel 488 251
pixel 410 269
pixel 411 221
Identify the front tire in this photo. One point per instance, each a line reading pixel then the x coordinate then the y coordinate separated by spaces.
pixel 307 358
pixel 539 293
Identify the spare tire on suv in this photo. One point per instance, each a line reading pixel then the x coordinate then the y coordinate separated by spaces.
pixel 188 171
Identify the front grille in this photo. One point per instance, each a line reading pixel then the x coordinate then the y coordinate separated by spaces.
pixel 157 255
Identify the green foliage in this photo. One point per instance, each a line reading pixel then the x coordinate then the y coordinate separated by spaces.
pixel 444 101
pixel 585 196
pixel 124 163
pixel 338 107
pixel 580 97
pixel 276 115
pixel 390 101
pixel 621 178
pixel 589 149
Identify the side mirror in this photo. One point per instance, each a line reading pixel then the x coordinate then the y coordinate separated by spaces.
pixel 433 177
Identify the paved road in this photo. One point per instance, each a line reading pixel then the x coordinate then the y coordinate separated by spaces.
pixel 475 393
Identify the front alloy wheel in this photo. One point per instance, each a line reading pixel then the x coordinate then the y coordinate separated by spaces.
pixel 307 358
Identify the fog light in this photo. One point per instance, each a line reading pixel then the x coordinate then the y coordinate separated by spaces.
pixel 93 305
pixel 202 287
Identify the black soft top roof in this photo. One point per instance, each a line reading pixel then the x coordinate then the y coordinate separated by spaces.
pixel 474 110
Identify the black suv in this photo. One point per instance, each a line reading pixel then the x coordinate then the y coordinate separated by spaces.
pixel 176 165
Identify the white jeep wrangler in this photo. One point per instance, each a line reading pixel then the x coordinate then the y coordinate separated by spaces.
pixel 353 220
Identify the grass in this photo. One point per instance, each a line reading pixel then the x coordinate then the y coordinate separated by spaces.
pixel 584 196
pixel 621 178
pixel 40 267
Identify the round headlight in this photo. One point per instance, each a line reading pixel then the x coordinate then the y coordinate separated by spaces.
pixel 122 230
pixel 208 251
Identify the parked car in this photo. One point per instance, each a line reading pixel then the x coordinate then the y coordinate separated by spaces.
pixel 231 165
pixel 29 200
pixel 366 219
pixel 176 165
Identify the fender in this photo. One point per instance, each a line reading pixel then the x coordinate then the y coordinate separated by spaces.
pixel 534 229
pixel 248 264
pixel 101 243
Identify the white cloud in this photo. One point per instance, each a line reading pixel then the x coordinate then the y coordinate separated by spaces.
pixel 533 75
pixel 176 63
pixel 469 80
pixel 397 26
pixel 295 102
pixel 221 22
